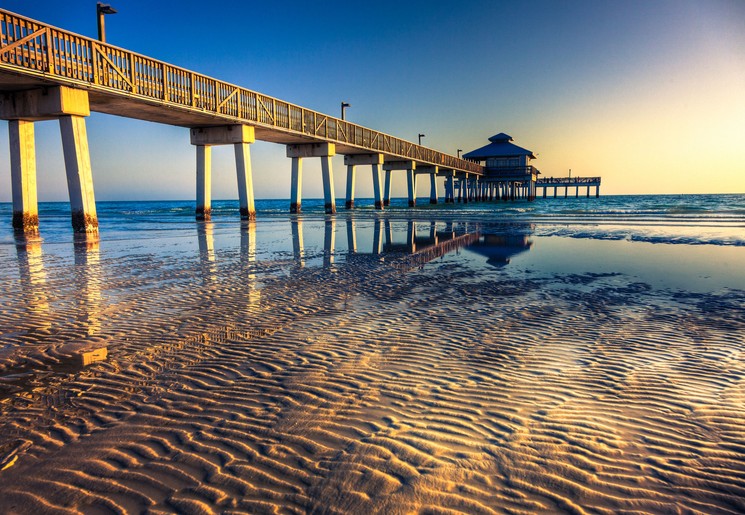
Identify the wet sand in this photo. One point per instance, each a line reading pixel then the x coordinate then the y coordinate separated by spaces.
pixel 234 369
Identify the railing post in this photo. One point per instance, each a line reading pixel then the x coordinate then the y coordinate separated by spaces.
pixel 193 93
pixel 94 57
pixel 164 71
pixel 132 75
pixel 48 39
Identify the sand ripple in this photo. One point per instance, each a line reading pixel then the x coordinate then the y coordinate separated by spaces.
pixel 367 387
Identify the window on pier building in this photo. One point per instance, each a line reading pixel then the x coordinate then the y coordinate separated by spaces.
pixel 500 162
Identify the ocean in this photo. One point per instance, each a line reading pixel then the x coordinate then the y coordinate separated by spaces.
pixel 690 219
pixel 574 355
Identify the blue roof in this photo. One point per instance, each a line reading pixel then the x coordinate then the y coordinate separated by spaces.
pixel 500 146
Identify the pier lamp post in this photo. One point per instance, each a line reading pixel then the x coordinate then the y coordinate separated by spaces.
pixel 420 138
pixel 344 106
pixel 459 151
pixel 101 10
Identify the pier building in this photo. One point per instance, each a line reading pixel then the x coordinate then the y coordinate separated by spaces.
pixel 508 173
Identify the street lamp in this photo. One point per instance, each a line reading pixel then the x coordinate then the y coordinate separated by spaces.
pixel 459 151
pixel 344 106
pixel 420 138
pixel 101 10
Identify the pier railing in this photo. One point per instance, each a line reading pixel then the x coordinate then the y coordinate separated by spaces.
pixel 568 180
pixel 51 53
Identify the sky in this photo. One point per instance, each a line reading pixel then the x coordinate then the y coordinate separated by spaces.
pixel 648 94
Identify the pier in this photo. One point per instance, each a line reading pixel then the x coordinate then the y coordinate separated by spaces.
pixel 569 182
pixel 47 73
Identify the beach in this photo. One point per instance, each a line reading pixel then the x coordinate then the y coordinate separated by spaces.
pixel 574 356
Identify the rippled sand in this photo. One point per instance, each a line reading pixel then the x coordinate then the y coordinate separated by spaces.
pixel 375 384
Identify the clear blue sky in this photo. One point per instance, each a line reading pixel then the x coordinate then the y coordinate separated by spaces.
pixel 648 94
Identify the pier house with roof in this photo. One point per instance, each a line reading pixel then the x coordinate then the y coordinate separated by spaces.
pixel 508 173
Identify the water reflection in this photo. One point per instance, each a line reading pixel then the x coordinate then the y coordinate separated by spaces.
pixel 33 281
pixel 88 283
pixel 206 241
pixel 329 240
pixel 298 249
pixel 248 264
pixel 500 247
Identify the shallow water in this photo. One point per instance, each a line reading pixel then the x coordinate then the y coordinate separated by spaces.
pixel 420 361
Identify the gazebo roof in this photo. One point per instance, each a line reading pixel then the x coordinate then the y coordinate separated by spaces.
pixel 500 146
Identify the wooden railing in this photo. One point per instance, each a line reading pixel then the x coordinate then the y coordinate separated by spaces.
pixel 41 49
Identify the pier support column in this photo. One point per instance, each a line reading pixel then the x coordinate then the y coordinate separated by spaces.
pixel 245 181
pixel 433 188
pixel 432 171
pixel 449 189
pixel 410 168
pixel 79 174
pixel 204 182
pixel 377 187
pixel 349 204
pixel 328 185
pixel 296 185
pixel 241 137
pixel 597 191
pixel 464 186
pixel 387 189
pixel 69 106
pixel 23 176
pixel 411 186
pixel 375 160
pixel 323 150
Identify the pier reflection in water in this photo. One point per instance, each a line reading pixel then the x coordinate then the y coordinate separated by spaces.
pixel 88 282
pixel 67 314
pixel 500 247
pixel 384 236
pixel 33 282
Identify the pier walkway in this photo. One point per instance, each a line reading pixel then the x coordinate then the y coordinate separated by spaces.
pixel 569 182
pixel 49 73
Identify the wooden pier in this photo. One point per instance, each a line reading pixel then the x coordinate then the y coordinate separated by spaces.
pixel 547 183
pixel 49 73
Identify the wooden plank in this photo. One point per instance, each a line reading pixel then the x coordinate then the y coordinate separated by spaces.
pixel 116 68
pixel 222 104
pixel 4 50
pixel 266 109
pixel 320 124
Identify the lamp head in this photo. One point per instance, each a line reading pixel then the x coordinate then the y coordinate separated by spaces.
pixel 105 8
